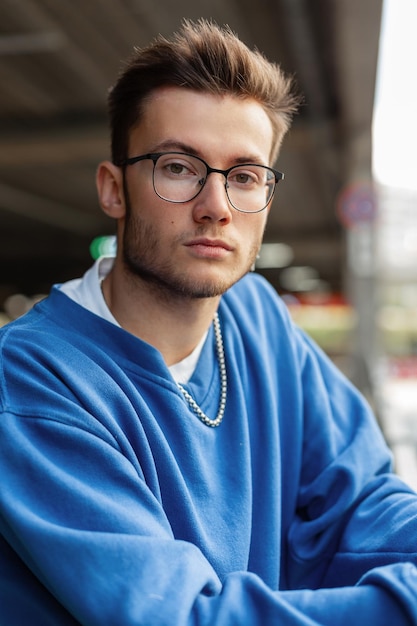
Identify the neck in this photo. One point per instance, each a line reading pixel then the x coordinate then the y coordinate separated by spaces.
pixel 173 325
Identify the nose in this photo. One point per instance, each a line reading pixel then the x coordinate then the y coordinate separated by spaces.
pixel 212 203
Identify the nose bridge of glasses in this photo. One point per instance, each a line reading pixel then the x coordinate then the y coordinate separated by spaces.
pixel 214 170
pixel 224 174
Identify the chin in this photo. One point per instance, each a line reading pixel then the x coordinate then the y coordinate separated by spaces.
pixel 210 288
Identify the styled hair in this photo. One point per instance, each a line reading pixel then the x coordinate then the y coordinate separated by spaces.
pixel 204 57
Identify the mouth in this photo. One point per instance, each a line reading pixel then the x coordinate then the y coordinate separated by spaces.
pixel 209 248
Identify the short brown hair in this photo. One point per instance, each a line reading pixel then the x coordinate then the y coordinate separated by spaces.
pixel 204 57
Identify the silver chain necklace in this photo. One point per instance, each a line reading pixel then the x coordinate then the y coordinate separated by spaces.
pixel 223 382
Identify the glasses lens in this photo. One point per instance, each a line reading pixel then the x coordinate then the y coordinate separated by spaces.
pixel 250 187
pixel 178 177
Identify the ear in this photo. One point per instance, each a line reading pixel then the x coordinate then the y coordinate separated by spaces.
pixel 109 182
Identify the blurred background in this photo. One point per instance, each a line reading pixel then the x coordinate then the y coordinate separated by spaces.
pixel 341 242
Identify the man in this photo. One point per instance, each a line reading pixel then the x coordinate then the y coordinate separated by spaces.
pixel 173 450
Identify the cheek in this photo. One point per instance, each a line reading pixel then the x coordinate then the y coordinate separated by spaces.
pixel 254 229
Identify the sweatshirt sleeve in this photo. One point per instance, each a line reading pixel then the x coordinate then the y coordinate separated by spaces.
pixel 353 531
pixel 76 513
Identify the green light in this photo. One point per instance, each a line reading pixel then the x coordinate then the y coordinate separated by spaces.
pixel 103 246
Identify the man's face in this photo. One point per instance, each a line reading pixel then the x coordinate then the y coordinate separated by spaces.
pixel 200 248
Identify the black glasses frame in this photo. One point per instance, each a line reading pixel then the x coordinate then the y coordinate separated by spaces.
pixel 154 156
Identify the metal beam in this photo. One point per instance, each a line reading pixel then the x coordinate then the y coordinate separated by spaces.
pixel 44 210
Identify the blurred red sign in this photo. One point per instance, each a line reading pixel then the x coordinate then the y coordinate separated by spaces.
pixel 357 204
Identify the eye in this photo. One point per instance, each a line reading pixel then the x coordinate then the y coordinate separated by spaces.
pixel 177 166
pixel 244 177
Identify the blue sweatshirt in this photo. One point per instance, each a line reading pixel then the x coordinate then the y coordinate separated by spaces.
pixel 118 506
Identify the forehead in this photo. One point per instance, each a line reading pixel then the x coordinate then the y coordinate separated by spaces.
pixel 209 124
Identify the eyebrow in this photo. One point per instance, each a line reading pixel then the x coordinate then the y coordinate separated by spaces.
pixel 176 146
pixel 179 146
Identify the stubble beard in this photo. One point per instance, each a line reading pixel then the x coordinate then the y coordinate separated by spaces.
pixel 142 260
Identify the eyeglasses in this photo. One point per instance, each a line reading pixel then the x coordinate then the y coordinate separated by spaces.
pixel 178 177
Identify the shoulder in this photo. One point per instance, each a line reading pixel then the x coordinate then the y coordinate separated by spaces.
pixel 50 320
pixel 257 312
pixel 37 348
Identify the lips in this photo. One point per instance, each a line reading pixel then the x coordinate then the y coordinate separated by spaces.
pixel 210 243
pixel 209 249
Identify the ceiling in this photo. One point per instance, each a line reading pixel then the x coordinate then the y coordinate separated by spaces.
pixel 57 60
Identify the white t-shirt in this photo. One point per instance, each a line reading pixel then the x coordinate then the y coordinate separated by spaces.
pixel 86 291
